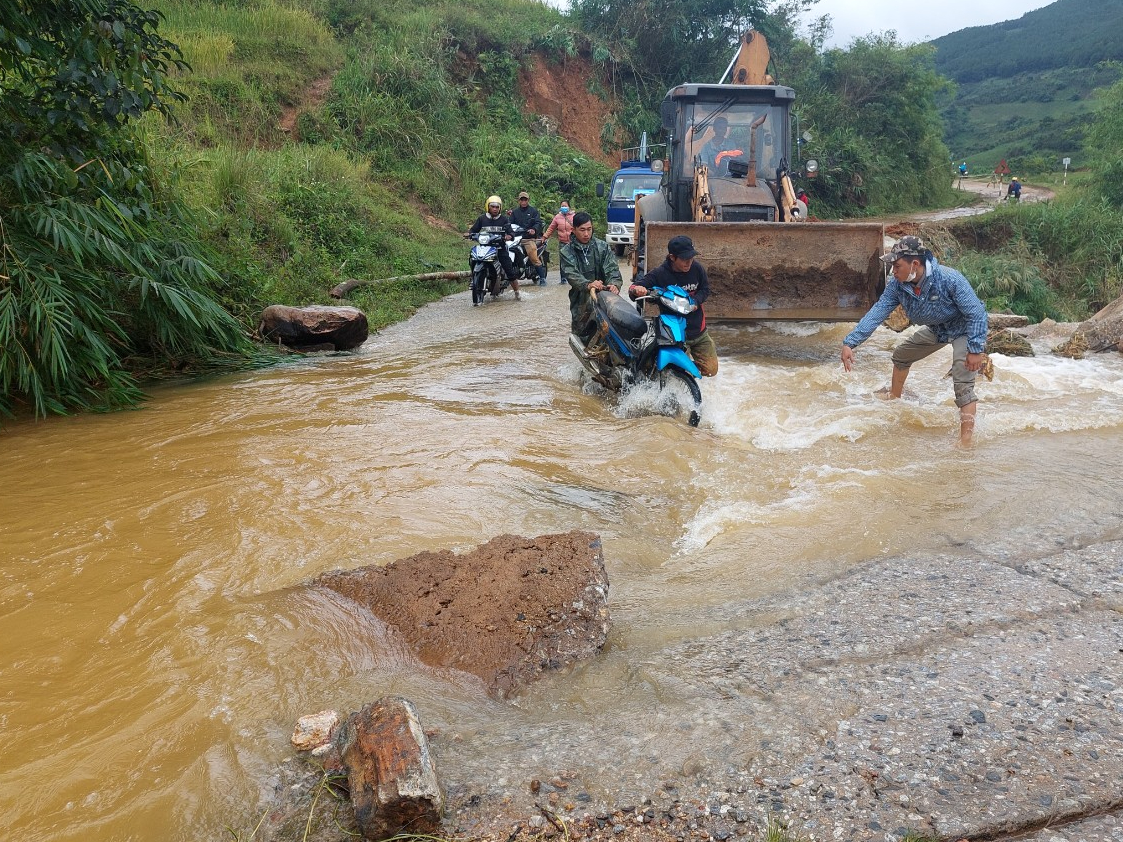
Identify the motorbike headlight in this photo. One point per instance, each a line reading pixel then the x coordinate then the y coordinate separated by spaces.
pixel 682 306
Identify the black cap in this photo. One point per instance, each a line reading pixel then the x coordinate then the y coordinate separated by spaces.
pixel 681 247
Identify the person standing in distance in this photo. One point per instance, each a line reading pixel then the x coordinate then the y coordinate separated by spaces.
pixel 681 269
pixel 588 265
pixel 942 300
pixel 527 217
pixel 563 224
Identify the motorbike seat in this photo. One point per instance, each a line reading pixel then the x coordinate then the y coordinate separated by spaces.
pixel 622 315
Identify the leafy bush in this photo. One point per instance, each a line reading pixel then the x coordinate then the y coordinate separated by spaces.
pixel 1060 260
pixel 100 275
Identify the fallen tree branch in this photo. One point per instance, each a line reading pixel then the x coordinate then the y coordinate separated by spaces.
pixel 345 287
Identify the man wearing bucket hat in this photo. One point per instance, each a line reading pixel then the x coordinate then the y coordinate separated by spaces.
pixel 681 269
pixel 940 299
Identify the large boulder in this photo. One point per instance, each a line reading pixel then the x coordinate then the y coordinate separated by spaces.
pixel 1005 321
pixel 315 327
pixel 505 612
pixel 1104 331
pixel 390 771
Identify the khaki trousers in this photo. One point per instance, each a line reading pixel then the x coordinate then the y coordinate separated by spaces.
pixel 923 342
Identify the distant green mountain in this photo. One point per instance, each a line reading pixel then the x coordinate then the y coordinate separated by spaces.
pixel 1026 88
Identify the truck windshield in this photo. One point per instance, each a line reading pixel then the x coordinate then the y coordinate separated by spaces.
pixel 626 187
pixel 718 132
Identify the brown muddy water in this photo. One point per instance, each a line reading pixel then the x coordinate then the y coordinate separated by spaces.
pixel 158 645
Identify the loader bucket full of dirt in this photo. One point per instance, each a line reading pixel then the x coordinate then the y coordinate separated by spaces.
pixel 815 271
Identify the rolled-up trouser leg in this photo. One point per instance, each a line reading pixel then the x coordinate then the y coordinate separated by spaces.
pixel 704 353
pixel 922 343
pixel 963 380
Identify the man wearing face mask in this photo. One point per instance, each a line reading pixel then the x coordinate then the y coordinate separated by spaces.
pixel 942 300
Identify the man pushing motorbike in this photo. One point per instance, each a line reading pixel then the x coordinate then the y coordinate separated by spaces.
pixel 682 270
pixel 588 265
pixel 494 221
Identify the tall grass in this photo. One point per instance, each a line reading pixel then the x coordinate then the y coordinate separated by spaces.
pixel 208 53
pixel 248 61
pixel 262 22
pixel 293 222
pixel 1061 260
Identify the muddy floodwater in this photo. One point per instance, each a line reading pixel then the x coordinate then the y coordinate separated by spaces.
pixel 157 645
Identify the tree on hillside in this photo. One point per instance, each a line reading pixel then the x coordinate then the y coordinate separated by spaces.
pixel 96 271
pixel 877 132
pixel 674 41
pixel 1066 33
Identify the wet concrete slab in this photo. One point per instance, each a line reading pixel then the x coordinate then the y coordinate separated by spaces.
pixel 953 696
pixel 949 697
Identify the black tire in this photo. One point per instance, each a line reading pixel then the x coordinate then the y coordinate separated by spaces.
pixel 619 250
pixel 691 386
pixel 479 273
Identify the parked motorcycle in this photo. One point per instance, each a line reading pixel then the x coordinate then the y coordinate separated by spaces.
pixel 629 348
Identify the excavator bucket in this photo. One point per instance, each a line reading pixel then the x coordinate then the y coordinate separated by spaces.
pixel 815 271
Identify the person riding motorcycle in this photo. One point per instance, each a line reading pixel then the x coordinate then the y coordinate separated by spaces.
pixel 526 216
pixel 1015 188
pixel 587 265
pixel 494 221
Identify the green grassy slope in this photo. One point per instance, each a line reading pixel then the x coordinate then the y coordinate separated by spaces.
pixel 1026 88
pixel 326 140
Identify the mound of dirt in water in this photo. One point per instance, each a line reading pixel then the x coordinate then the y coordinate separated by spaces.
pixel 506 612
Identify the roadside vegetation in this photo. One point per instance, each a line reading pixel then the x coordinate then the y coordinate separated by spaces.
pixel 166 175
pixel 1061 259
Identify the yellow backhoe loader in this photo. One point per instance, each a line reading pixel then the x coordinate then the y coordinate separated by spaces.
pixel 726 186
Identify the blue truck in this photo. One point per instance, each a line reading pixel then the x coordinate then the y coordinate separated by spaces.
pixel 640 173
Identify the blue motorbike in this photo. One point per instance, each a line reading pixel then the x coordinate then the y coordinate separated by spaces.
pixel 628 348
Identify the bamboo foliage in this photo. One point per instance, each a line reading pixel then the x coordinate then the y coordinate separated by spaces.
pixel 89 282
pixel 97 269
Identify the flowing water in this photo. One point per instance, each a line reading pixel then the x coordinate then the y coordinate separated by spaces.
pixel 158 644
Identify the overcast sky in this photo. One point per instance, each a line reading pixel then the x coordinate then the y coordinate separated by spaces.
pixel 914 21
pixel 918 21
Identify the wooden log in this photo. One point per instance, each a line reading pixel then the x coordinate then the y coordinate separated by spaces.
pixel 348 285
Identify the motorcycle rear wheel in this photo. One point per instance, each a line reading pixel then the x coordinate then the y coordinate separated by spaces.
pixel 670 378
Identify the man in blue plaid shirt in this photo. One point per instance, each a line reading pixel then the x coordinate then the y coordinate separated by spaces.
pixel 943 301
